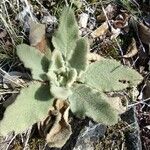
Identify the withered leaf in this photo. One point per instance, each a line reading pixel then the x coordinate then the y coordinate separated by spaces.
pixel 121 21
pixel 37 36
pixel 100 30
pixel 144 33
pixel 55 127
pixel 132 49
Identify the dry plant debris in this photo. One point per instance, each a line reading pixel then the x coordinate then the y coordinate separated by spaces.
pixel 144 33
pixel 100 31
pixel 55 127
pixel 132 50
pixel 37 36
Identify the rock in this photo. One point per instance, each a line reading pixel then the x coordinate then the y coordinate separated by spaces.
pixel 89 136
pixel 133 141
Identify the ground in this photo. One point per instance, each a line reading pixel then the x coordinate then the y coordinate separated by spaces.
pixel 118 29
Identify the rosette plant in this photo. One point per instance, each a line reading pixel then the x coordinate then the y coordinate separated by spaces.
pixel 67 75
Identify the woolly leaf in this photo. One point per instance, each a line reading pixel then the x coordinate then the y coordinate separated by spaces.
pixel 45 62
pixel 79 56
pixel 60 92
pixel 65 38
pixel 72 76
pixel 110 75
pixel 33 59
pixel 57 60
pixel 88 102
pixel 52 77
pixel 26 110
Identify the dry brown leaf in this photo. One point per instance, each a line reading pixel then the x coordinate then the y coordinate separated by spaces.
pixel 132 49
pixel 37 36
pixel 56 127
pixel 100 30
pixel 119 24
pixel 121 21
pixel 144 33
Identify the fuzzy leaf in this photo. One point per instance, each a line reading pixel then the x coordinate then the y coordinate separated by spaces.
pixel 79 57
pixel 26 110
pixel 86 101
pixel 60 92
pixel 67 34
pixel 71 78
pixel 57 60
pixel 110 75
pixel 33 59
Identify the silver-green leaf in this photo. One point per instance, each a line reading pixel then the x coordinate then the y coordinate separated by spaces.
pixel 86 101
pixel 60 92
pixel 32 59
pixel 71 77
pixel 57 61
pixel 79 57
pixel 65 38
pixel 109 75
pixel 29 108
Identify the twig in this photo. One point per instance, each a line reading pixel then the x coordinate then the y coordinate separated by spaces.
pixel 120 50
pixel 8 28
pixel 7 148
pixel 10 24
pixel 45 146
pixel 28 137
pixel 140 102
pixel 28 8
pixel 133 64
pixel 9 92
pixel 2 72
